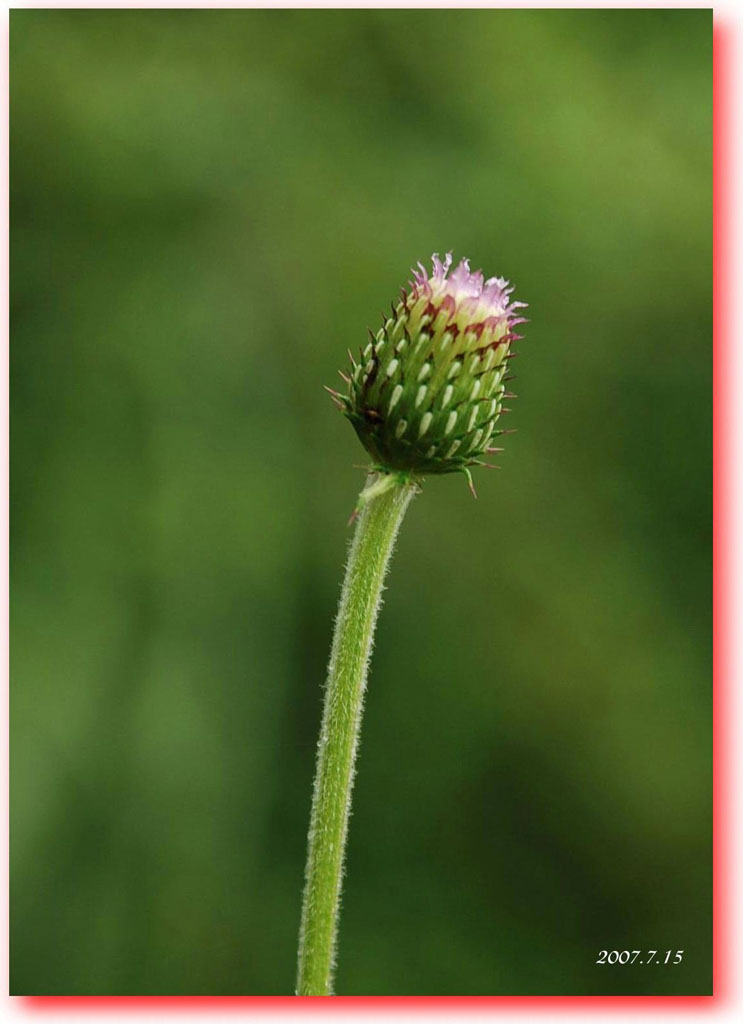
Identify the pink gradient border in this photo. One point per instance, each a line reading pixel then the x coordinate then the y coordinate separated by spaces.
pixel 722 662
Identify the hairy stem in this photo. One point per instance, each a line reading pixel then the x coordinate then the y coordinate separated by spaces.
pixel 384 502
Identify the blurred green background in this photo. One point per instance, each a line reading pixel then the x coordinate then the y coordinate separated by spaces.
pixel 208 207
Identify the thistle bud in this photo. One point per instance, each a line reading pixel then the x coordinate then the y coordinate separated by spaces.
pixel 427 391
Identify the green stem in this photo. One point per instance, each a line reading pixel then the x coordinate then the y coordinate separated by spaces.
pixel 383 504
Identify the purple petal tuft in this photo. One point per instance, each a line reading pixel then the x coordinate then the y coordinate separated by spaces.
pixel 476 298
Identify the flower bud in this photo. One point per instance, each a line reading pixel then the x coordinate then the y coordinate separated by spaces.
pixel 426 393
